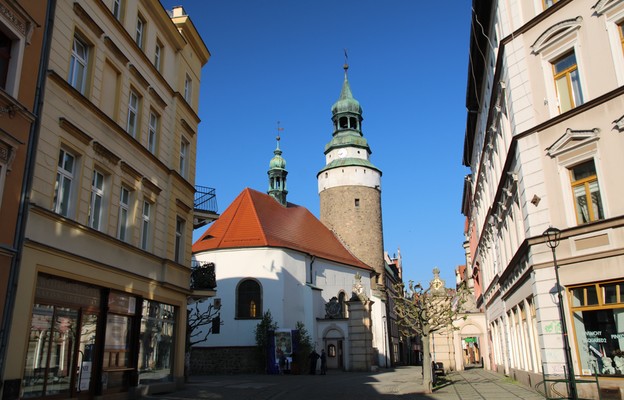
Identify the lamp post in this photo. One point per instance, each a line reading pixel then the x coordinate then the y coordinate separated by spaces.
pixel 552 240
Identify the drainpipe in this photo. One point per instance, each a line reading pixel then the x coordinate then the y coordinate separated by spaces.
pixel 312 259
pixel 22 213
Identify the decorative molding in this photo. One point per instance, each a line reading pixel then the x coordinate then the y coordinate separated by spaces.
pixel 74 131
pixel 186 208
pixel 110 44
pixel 619 123
pixel 84 16
pixel 187 127
pixel 555 33
pixel 157 97
pixel 135 72
pixel 106 153
pixel 572 139
pixel 151 186
pixel 125 167
pixel 605 5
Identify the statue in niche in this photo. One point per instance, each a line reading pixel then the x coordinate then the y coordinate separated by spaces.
pixel 333 308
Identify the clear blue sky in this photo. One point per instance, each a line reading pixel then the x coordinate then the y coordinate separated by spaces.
pixel 281 60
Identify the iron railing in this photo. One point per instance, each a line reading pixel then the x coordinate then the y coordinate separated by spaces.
pixel 203 276
pixel 205 199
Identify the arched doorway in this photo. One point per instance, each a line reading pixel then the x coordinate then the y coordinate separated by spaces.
pixel 334 342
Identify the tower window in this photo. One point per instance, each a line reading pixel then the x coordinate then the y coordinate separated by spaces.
pixel 357 202
pixel 344 123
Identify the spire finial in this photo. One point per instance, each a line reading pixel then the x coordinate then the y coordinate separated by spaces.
pixel 279 129
pixel 346 63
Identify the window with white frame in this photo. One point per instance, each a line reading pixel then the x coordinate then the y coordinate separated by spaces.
pixel 152 137
pixel 548 3
pixel 63 189
pixel 133 113
pixel 146 225
pixel 179 240
pixel 116 10
pixel 567 82
pixel 184 148
pixel 586 192
pixel 78 64
pixel 124 214
pixel 140 32
pixel 96 202
pixel 13 40
pixel 158 55
pixel 188 88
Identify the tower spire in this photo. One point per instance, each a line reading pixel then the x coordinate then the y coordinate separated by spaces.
pixel 277 172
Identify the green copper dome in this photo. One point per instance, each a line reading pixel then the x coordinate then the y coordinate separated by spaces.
pixel 346 103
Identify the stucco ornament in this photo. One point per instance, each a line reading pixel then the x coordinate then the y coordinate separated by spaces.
pixel 332 308
pixel 358 289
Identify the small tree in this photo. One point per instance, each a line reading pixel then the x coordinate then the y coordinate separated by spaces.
pixel 425 311
pixel 304 347
pixel 195 320
pixel 262 332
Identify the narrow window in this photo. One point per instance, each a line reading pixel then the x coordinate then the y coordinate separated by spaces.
pixel 124 210
pixel 140 30
pixel 64 181
pixel 117 9
pixel 153 133
pixel 146 225
pixel 549 3
pixel 158 55
pixel 133 111
pixel 184 145
pixel 78 65
pixel 179 240
pixel 188 87
pixel 96 203
pixel 587 198
pixel 567 82
pixel 5 58
pixel 357 202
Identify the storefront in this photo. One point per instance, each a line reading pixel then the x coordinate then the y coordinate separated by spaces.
pixel 598 312
pixel 86 340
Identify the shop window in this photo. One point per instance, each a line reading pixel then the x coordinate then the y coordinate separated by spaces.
pixel 598 311
pixel 157 342
pixel 587 198
pixel 117 369
pixel 249 299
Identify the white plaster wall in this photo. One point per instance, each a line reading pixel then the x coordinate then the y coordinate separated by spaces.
pixel 349 176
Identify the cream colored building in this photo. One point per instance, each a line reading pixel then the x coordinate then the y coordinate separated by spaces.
pixel 544 145
pixel 105 270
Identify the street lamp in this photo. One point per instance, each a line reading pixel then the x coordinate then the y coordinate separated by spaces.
pixel 553 236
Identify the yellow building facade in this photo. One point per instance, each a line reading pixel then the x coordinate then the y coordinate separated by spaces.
pixel 106 264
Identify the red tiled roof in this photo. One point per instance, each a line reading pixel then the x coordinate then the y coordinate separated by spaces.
pixel 256 219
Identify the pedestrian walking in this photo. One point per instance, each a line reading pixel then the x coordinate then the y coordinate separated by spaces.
pixel 323 362
pixel 314 356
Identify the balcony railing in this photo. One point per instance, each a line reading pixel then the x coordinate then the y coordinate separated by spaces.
pixel 205 208
pixel 203 276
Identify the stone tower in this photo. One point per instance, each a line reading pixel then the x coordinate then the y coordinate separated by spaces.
pixel 350 185
pixel 277 175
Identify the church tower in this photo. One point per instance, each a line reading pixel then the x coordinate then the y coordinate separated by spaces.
pixel 277 175
pixel 350 185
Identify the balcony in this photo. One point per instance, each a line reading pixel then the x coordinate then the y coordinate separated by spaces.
pixel 204 206
pixel 203 280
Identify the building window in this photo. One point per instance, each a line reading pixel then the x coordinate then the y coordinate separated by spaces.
pixel 133 113
pixel 357 202
pixel 152 138
pixel 567 82
pixel 188 88
pixel 598 323
pixel 124 211
pixel 97 200
pixel 184 145
pixel 146 225
pixel 140 32
pixel 587 198
pixel 118 363
pixel 621 32
pixel 249 299
pixel 117 9
pixel 179 240
pixel 5 58
pixel 549 3
pixel 64 180
pixel 158 55
pixel 78 65
pixel 157 342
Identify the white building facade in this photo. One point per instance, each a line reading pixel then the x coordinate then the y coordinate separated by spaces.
pixel 543 144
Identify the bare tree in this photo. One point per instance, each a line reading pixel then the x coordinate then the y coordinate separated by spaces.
pixel 423 312
pixel 196 319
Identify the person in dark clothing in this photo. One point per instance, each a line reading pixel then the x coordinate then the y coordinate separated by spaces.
pixel 314 356
pixel 323 362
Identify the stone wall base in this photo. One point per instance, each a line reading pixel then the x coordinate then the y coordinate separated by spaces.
pixel 225 360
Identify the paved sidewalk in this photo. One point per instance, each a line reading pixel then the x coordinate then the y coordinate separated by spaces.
pixel 397 383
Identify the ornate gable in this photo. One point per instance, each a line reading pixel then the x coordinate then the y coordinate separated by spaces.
pixel 572 139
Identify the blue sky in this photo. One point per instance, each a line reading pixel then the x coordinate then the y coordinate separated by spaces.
pixel 281 60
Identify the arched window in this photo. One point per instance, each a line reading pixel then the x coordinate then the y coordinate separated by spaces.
pixel 343 305
pixel 248 299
